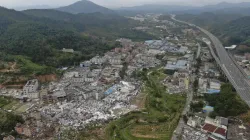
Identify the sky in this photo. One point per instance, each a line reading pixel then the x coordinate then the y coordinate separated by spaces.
pixel 111 3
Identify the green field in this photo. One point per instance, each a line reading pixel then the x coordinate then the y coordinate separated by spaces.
pixel 157 121
pixel 16 106
pixel 28 67
pixel 4 101
pixel 8 120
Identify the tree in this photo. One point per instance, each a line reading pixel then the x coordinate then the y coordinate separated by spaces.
pixel 227 102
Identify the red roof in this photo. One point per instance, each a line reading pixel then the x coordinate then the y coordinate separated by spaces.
pixel 209 127
pixel 221 131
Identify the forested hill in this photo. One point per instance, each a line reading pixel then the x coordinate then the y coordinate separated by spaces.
pixel 97 24
pixel 41 38
pixel 208 19
pixel 230 28
pixel 91 19
pixel 235 32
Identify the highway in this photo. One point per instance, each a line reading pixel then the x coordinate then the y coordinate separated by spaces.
pixel 237 78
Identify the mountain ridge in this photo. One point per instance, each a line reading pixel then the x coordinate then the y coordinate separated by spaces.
pixel 85 6
pixel 177 9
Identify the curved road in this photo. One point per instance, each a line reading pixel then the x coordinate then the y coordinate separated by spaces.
pixel 231 70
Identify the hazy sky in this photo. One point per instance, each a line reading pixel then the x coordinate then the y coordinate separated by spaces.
pixel 110 3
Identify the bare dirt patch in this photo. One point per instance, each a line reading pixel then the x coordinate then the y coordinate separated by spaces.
pixel 145 131
pixel 140 100
pixel 47 78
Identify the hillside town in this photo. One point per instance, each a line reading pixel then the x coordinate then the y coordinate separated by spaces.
pixel 103 88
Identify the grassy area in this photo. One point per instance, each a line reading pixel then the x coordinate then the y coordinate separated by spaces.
pixel 28 67
pixel 4 101
pixel 16 106
pixel 159 118
pixel 8 120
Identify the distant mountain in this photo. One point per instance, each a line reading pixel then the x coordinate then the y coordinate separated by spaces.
pixel 175 9
pixel 155 8
pixel 223 7
pixel 208 19
pixel 85 6
pixel 234 32
pixel 32 7
pixel 239 11
pixel 230 28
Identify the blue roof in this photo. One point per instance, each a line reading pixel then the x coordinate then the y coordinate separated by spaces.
pixel 110 90
pixel 208 109
pixel 211 91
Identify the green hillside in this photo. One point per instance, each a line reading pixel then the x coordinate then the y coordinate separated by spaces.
pixel 230 28
pixel 42 34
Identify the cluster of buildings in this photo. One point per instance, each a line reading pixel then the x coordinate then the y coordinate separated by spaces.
pixel 94 92
pixel 165 46
pixel 29 91
pixel 179 82
pixel 211 129
pixel 206 128
pixel 243 61
pixel 94 106
pixel 199 125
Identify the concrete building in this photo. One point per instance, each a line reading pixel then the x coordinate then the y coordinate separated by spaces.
pixel 194 121
pixel 179 65
pixel 215 84
pixel 85 64
pixel 30 89
pixel 115 61
pixel 98 60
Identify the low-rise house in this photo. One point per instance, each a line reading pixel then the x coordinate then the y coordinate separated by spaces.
pixel 194 121
pixel 217 127
pixel 179 65
pixel 85 64
pixel 215 84
pixel 67 50
pixel 115 61
pixel 9 138
pixel 71 74
pixel 98 60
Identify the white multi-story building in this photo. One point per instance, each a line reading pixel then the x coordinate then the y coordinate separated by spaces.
pixel 115 61
pixel 98 60
pixel 30 89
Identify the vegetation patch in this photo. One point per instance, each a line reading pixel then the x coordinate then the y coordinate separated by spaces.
pixel 159 118
pixel 227 102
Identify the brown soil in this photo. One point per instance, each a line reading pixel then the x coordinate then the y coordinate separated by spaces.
pixel 11 67
pixel 47 78
pixel 140 100
pixel 139 131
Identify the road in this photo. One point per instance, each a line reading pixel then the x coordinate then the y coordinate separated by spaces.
pixel 198 51
pixel 178 131
pixel 237 78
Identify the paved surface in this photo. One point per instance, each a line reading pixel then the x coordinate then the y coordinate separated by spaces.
pixel 237 78
pixel 179 129
pixel 198 51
